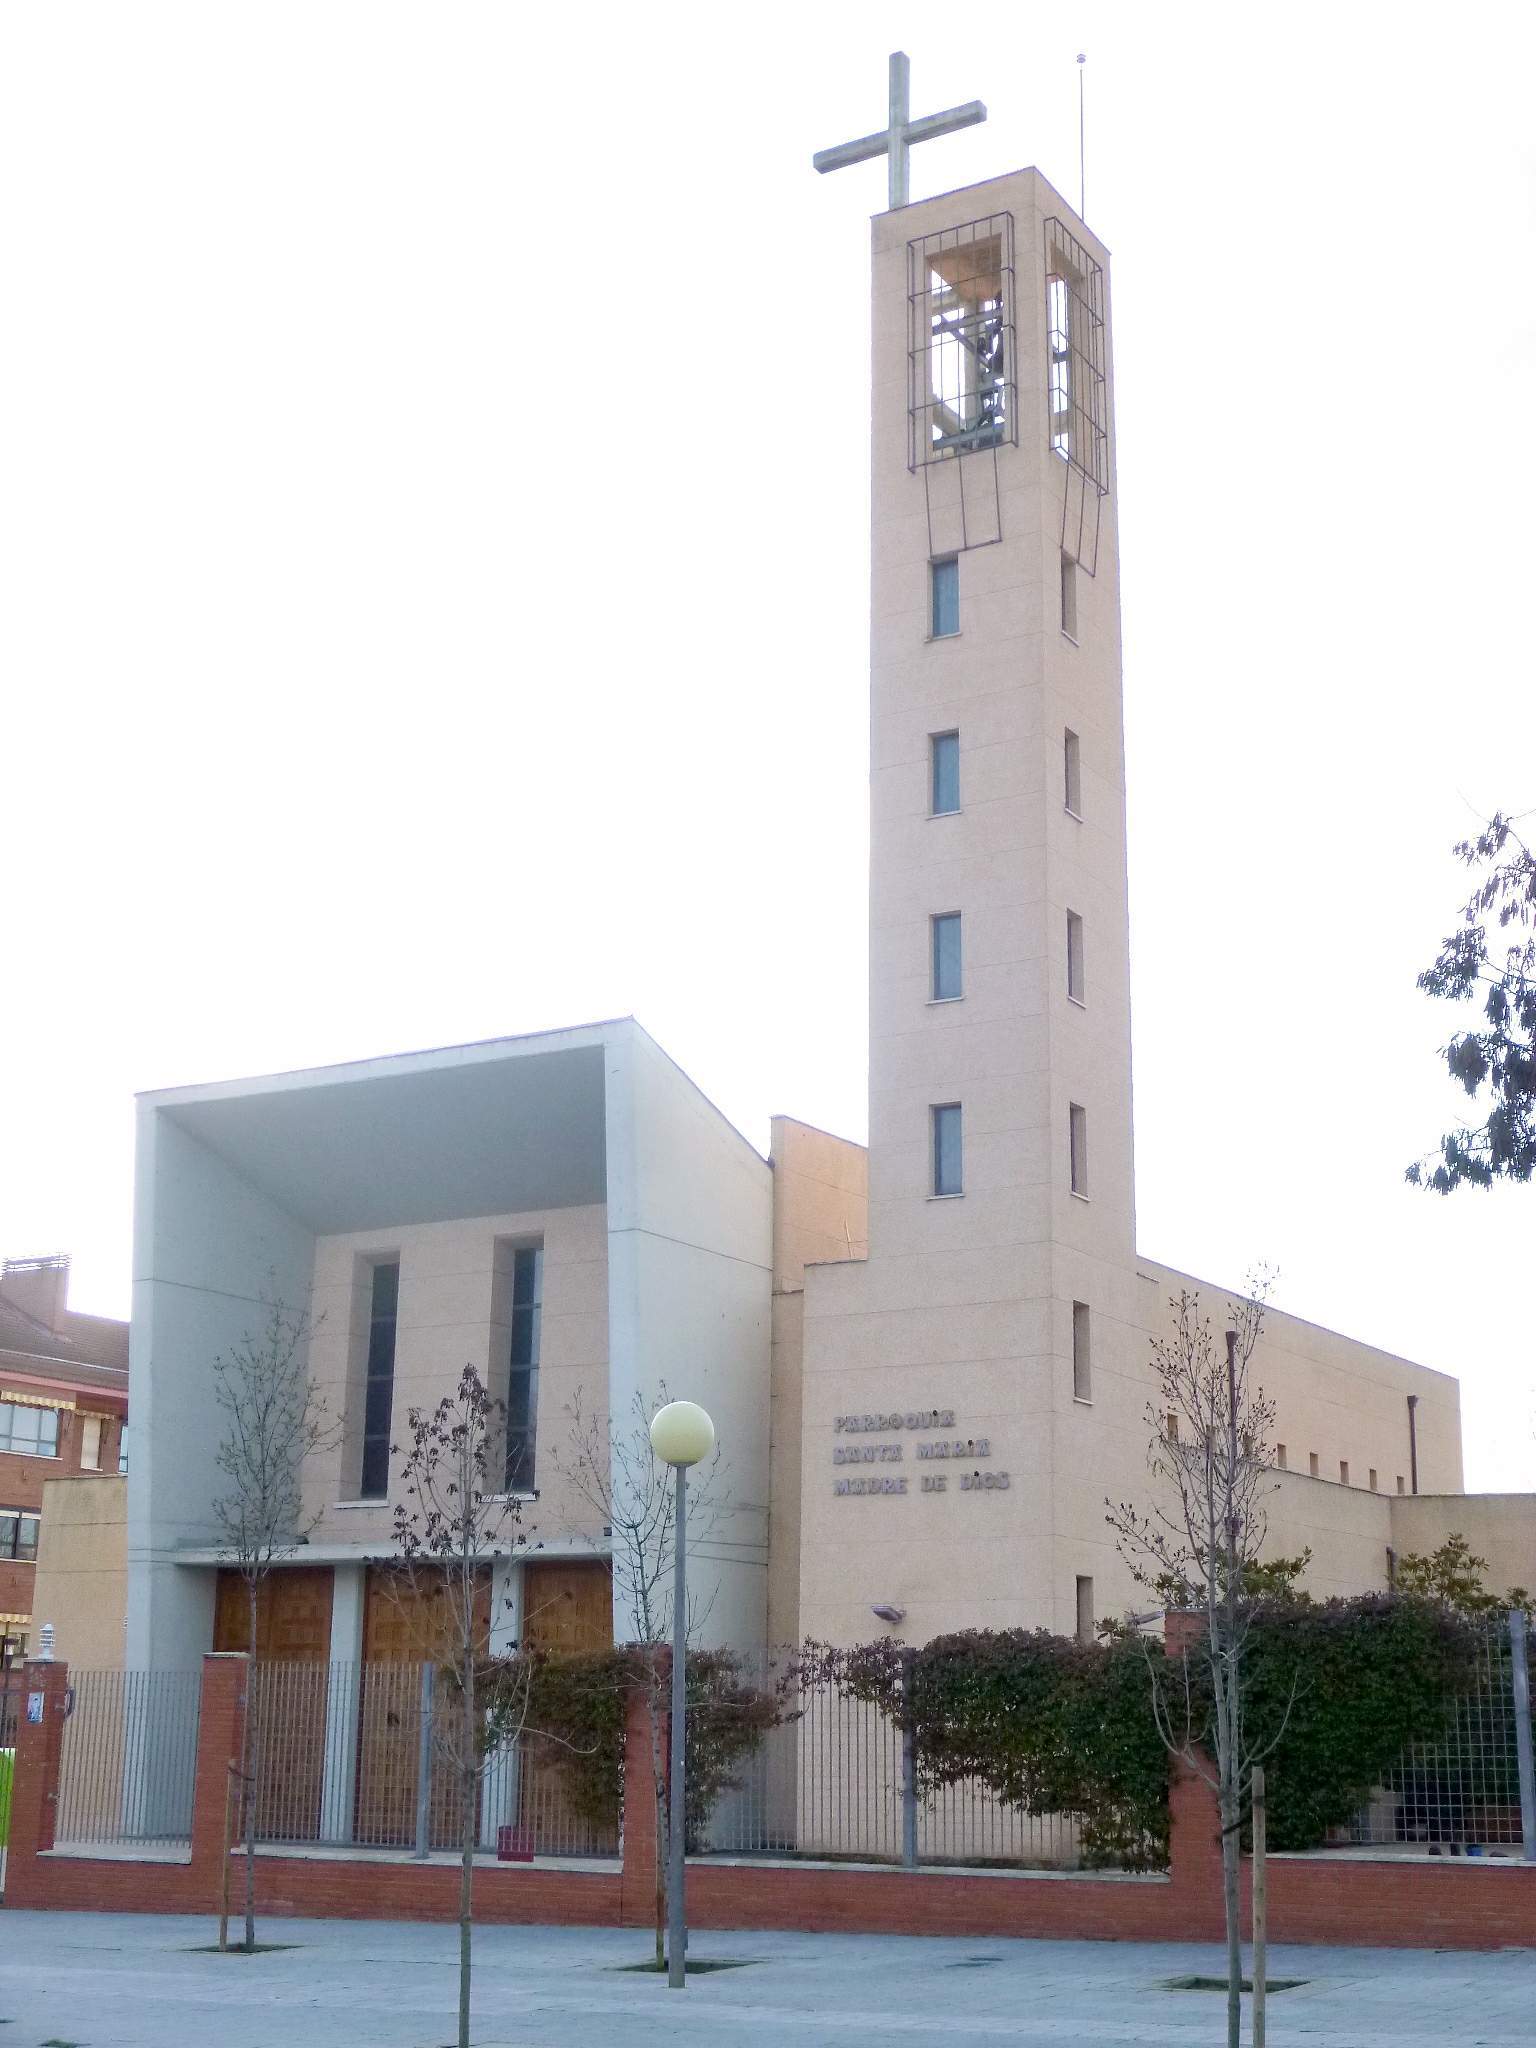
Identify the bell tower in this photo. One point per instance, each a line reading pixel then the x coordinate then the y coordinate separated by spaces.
pixel 970 1390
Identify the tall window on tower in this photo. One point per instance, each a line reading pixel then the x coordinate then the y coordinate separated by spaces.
pixel 943 773
pixel 1074 336
pixel 1077 1147
pixel 946 986
pixel 947 1174
pixel 944 598
pixel 379 1382
pixel 960 291
pixel 523 1367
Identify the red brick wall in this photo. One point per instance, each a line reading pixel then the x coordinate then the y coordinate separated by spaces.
pixel 1391 1903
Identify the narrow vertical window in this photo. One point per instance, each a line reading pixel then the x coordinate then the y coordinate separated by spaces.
pixel 379 1387
pixel 1085 1610
pixel 122 1451
pixel 944 772
pixel 90 1443
pixel 1082 1362
pixel 1171 1432
pixel 944 597
pixel 1343 1471
pixel 523 1368
pixel 946 956
pixel 1072 754
pixel 946 1148
pixel 1077 1142
pixel 1280 1456
pixel 1075 982
pixel 1069 596
pixel 1312 1464
pixel 1402 1484
pixel 1372 1478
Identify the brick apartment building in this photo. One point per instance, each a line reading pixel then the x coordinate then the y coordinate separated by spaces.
pixel 63 1412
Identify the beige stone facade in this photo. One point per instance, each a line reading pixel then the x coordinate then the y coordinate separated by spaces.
pixel 975 1388
pixel 82 1569
pixel 454 1310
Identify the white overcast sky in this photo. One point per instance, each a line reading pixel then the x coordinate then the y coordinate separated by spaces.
pixel 433 517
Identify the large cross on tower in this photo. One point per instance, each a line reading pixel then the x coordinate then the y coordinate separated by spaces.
pixel 895 140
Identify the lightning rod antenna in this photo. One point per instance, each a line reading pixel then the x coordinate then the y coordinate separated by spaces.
pixel 1082 150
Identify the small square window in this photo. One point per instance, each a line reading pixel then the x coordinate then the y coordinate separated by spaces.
pixel 1280 1456
pixel 946 957
pixel 1312 1464
pixel 944 598
pixel 1077 1145
pixel 1075 982
pixel 1085 1610
pixel 1068 596
pixel 946 1148
pixel 1072 754
pixel 944 772
pixel 1082 1363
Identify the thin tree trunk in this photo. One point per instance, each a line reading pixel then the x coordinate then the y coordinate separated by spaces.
pixel 468 1780
pixel 1230 1847
pixel 466 1900
pixel 248 1774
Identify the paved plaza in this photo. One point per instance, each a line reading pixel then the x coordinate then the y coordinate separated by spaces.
pixel 135 1981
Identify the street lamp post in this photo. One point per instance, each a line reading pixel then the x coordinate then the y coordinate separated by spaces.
pixel 681 1435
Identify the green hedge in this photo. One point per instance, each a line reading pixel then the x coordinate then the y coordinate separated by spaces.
pixel 1338 1687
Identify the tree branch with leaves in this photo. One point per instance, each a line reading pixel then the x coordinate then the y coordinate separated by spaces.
pixel 1487 956
pixel 453 1520
pixel 274 1421
pixel 1198 1549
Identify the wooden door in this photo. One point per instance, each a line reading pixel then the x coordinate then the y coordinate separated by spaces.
pixel 404 1626
pixel 568 1607
pixel 289 1688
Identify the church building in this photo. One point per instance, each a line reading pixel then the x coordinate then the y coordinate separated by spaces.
pixel 927 1360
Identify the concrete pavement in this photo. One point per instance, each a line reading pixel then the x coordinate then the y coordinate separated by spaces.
pixel 132 1981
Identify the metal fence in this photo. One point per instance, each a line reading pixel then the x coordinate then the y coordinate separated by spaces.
pixel 368 1756
pixel 836 1782
pixel 1471 1792
pixel 128 1758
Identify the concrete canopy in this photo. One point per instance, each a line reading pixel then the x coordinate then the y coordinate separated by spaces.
pixel 512 1124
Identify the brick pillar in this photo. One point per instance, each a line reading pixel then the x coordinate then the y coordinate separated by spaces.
pixel 35 1779
pixel 1194 1819
pixel 1194 1855
pixel 638 1893
pixel 221 1720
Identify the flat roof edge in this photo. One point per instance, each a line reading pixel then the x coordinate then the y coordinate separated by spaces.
pixel 426 1059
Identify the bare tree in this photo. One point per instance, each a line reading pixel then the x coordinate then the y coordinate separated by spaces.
pixel 611 1468
pixel 273 1421
pixel 454 1519
pixel 1198 1549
